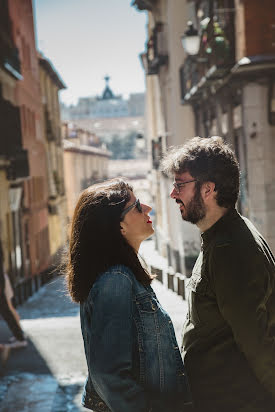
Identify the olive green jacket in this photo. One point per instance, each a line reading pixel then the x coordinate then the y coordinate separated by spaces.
pixel 229 334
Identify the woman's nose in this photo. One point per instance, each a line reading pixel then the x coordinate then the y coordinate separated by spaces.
pixel 146 208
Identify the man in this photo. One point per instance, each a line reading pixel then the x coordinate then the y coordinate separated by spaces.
pixel 229 333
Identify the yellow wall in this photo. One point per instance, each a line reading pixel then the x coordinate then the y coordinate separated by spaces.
pixel 79 166
pixel 57 228
pixel 58 221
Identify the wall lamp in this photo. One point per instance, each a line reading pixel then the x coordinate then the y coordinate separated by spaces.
pixel 191 39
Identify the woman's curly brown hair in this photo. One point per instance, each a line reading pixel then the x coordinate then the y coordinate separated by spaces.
pixel 96 242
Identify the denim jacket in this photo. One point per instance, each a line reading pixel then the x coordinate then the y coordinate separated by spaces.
pixel 134 363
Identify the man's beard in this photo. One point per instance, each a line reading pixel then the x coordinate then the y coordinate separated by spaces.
pixel 195 210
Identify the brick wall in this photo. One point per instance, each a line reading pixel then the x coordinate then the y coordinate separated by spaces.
pixel 28 98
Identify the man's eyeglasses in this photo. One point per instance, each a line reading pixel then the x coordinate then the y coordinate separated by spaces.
pixel 135 204
pixel 178 186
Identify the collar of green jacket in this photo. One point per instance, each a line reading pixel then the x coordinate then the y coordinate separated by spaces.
pixel 224 222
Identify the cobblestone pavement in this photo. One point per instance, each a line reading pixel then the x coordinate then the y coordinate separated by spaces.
pixel 48 375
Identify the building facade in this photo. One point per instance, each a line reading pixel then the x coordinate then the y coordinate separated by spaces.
pixel 85 162
pixel 225 88
pixel 106 128
pixel 110 117
pixel 169 123
pixel 51 83
pixel 108 105
pixel 14 166
pixel 230 85
pixel 34 196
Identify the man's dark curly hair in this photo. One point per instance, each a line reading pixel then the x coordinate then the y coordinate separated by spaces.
pixel 207 160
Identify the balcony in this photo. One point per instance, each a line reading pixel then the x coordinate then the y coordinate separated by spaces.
pixel 12 63
pixel 144 4
pixel 9 55
pixel 18 167
pixel 11 142
pixel 10 128
pixel 189 76
pixel 156 152
pixel 215 58
pixel 9 58
pixel 156 54
pixel 49 126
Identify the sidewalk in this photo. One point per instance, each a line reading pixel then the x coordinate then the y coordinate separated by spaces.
pixel 174 304
pixel 48 375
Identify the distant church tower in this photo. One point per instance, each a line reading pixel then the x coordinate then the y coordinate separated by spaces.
pixel 107 92
pixel 109 105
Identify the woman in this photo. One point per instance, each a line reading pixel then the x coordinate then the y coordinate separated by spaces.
pixel 134 364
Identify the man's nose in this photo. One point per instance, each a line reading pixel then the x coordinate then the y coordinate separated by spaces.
pixel 173 193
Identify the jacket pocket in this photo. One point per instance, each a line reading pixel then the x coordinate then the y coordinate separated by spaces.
pixel 147 303
pixel 148 308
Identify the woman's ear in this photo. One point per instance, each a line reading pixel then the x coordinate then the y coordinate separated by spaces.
pixel 122 228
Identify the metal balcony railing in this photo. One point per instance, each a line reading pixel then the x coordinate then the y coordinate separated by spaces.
pixel 216 54
pixel 49 125
pixel 156 53
pixel 156 152
pixel 9 54
pixel 11 62
pixel 19 165
pixel 11 147
pixel 143 4
pixel 10 128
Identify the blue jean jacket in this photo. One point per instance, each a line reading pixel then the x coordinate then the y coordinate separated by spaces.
pixel 134 363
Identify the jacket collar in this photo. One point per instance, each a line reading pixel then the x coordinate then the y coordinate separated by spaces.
pixel 222 224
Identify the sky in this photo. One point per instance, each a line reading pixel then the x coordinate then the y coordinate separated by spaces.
pixel 87 39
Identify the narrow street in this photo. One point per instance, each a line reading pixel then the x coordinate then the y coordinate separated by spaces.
pixel 48 375
pixel 178 99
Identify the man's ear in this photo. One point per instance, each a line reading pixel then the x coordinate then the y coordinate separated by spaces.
pixel 208 190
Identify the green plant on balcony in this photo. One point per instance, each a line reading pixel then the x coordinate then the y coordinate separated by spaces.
pixel 214 43
pixel 221 43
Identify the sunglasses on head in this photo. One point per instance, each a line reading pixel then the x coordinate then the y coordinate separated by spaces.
pixel 135 204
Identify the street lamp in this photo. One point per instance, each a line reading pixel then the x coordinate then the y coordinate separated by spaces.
pixel 191 39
